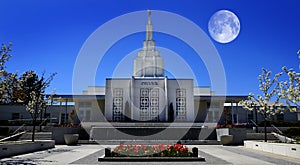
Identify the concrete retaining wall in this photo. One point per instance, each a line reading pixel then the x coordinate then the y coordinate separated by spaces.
pixel 290 150
pixel 17 148
pixel 152 133
pixel 260 136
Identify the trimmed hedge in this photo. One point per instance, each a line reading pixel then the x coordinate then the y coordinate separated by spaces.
pixel 281 123
pixel 292 132
pixel 18 123
pixel 4 131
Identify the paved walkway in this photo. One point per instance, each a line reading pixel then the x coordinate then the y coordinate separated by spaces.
pixel 88 154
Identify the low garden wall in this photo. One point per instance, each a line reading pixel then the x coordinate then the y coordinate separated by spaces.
pixel 271 129
pixel 8 149
pixel 290 150
pixel 152 133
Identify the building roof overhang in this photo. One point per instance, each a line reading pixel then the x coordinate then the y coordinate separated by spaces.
pixel 72 98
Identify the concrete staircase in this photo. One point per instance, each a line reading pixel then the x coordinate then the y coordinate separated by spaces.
pixel 252 135
pixel 13 137
pixel 38 136
pixel 260 136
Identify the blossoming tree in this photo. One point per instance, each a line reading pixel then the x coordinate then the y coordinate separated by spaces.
pixel 268 103
pixel 8 81
pixel 34 98
pixel 28 89
pixel 277 96
pixel 290 89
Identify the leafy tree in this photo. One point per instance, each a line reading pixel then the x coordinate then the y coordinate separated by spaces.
pixel 8 81
pixel 33 89
pixel 49 102
pixel 28 89
pixel 5 55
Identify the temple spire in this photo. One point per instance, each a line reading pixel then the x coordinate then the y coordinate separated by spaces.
pixel 149 27
pixel 148 63
pixel 149 16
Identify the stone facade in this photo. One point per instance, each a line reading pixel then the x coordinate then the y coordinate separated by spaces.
pixel 149 99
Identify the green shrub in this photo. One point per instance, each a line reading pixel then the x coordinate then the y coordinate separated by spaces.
pixel 21 122
pixel 4 131
pixel 281 123
pixel 4 122
pixel 292 132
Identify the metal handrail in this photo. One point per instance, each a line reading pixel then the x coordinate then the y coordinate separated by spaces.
pixel 256 125
pixel 43 121
pixel 277 129
pixel 285 137
pixel 18 128
pixel 12 136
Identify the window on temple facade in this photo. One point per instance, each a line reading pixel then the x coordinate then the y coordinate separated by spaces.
pixel 117 111
pixel 181 104
pixel 149 104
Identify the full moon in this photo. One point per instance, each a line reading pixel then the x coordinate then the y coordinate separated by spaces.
pixel 224 26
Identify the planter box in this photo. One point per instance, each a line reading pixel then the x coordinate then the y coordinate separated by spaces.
pixel 151 159
pixel 59 132
pixel 226 139
pixel 108 158
pixel 152 133
pixel 71 139
pixel 239 134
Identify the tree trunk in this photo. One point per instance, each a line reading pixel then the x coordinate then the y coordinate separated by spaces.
pixel 41 120
pixel 33 128
pixel 256 120
pixel 35 116
pixel 265 126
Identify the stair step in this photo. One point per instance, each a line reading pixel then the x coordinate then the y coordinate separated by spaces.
pixel 37 136
pixel 260 136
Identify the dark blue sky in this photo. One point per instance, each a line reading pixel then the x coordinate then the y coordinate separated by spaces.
pixel 47 36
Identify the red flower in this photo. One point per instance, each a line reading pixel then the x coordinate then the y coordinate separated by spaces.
pixel 160 149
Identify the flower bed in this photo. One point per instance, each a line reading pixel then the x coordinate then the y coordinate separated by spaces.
pixel 158 152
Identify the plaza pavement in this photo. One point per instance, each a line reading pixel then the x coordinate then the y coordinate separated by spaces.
pixel 88 154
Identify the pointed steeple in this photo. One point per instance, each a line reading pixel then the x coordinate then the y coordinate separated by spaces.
pixel 149 27
pixel 149 63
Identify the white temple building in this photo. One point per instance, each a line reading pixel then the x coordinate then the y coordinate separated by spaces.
pixel 149 95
